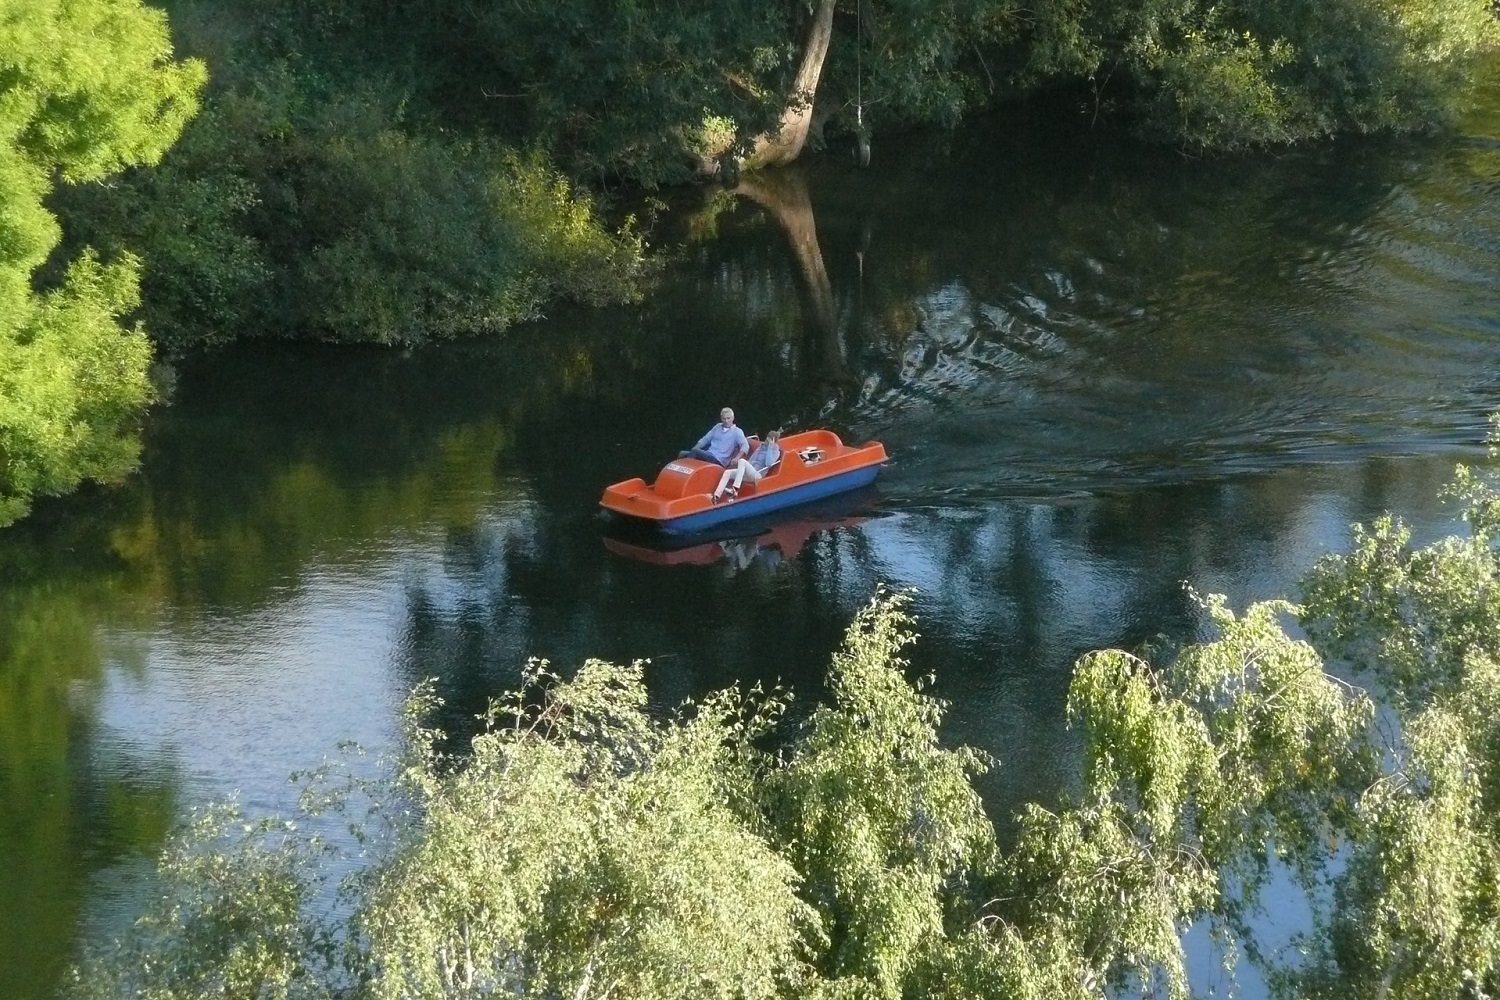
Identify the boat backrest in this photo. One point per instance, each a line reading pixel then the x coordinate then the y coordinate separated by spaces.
pixel 826 441
pixel 755 446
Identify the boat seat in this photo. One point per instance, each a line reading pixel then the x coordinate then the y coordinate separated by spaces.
pixel 749 488
pixel 755 446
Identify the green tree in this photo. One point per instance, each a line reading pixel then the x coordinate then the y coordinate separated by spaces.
pixel 879 820
pixel 1243 754
pixel 1197 775
pixel 623 865
pixel 88 89
pixel 1227 75
pixel 1417 911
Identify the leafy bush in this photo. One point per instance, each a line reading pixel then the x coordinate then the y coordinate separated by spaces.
pixel 334 215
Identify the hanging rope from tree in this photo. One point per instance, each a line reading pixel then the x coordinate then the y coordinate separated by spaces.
pixel 861 134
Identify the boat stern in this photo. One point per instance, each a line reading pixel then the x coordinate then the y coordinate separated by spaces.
pixel 683 485
pixel 626 497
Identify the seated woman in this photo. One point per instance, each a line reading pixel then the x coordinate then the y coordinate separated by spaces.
pixel 753 468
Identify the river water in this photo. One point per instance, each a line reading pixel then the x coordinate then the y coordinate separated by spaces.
pixel 1100 370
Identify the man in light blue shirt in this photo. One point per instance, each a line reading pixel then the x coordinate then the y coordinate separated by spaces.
pixel 722 445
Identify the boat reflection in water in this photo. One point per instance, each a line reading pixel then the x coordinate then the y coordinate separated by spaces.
pixel 767 540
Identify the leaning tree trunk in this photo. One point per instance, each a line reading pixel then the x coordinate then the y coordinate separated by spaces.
pixel 785 144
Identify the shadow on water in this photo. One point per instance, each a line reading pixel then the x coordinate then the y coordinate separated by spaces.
pixel 1099 370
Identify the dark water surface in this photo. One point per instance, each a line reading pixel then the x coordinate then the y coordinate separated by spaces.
pixel 1100 371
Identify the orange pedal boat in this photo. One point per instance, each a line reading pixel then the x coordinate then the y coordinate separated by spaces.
pixel 814 464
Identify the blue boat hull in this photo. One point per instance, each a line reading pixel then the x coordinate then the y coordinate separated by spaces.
pixel 754 506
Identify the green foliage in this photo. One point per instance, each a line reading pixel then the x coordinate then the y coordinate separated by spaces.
pixel 920 62
pixel 1244 753
pixel 73 384
pixel 1196 73
pixel 1224 76
pixel 233 923
pixel 1200 74
pixel 86 89
pixel 881 822
pixel 1192 773
pixel 341 213
pixel 91 88
pixel 1417 913
pixel 633 104
pixel 203 272
pixel 1094 905
pixel 586 850
pixel 437 239
pixel 583 847
pixel 1412 617
pixel 378 172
